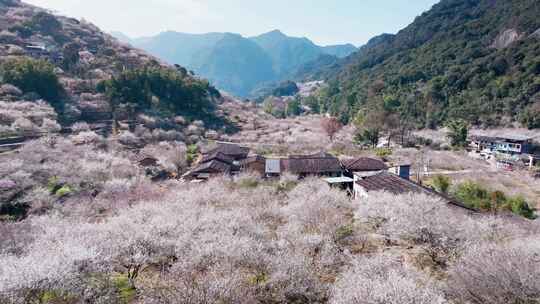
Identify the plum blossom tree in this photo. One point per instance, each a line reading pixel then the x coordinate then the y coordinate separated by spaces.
pixel 498 273
pixel 385 279
pixel 331 126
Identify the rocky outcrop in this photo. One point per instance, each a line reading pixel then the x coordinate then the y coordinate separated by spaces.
pixel 536 34
pixel 505 39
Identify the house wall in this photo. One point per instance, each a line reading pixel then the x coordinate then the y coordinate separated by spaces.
pixel 258 167
pixel 512 147
pixel 509 147
pixel 359 192
pixel 401 171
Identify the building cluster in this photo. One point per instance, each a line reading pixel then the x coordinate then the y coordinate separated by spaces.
pixel 359 176
pixel 507 151
pixel 55 55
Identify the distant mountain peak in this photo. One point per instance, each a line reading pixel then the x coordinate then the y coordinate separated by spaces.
pixel 275 32
pixel 239 64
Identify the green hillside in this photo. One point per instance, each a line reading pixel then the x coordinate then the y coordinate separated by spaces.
pixel 236 65
pixel 477 60
pixel 287 53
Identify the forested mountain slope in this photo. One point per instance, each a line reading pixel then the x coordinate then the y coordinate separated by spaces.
pixel 476 60
pixel 238 64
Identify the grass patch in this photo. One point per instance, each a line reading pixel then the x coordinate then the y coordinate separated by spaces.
pixel 64 191
pixel 126 292
pixel 343 232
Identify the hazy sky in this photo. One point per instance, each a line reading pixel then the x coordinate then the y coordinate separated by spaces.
pixel 323 21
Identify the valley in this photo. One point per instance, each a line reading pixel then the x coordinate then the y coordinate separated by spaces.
pixel 224 168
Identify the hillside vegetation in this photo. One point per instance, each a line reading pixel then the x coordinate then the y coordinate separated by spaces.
pixel 86 76
pixel 475 60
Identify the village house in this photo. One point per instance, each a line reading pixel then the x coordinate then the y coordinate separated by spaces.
pixel 394 184
pixel 255 164
pixel 320 164
pixel 363 166
pixel 225 159
pixel 212 165
pixel 354 168
pixel 359 176
pixel 512 145
pixel 233 151
pixel 508 152
pixel 36 51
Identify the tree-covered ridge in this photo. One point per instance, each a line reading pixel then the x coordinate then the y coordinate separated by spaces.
pixel 163 90
pixel 477 60
pixel 236 64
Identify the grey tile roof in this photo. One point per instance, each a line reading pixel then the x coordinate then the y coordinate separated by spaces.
pixel 217 156
pixel 364 164
pixel 232 150
pixel 311 164
pixel 394 184
pixel 252 159
pixel 514 138
pixel 214 166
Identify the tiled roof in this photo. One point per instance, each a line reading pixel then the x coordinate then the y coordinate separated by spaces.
pixel 217 156
pixel 316 155
pixel 394 184
pixel 252 159
pixel 311 164
pixel 364 164
pixel 230 150
pixel 514 138
pixel 212 166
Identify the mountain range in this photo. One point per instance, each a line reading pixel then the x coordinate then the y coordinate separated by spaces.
pixel 234 63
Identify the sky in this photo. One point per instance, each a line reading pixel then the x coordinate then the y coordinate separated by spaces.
pixel 323 21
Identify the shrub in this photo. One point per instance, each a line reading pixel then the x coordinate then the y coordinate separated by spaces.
pixel 383 153
pixel 125 290
pixel 519 206
pixel 192 153
pixel 473 195
pixel 367 137
pixel 441 183
pixel 294 108
pixel 476 196
pixel 458 133
pixel 64 191
pixel 37 76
